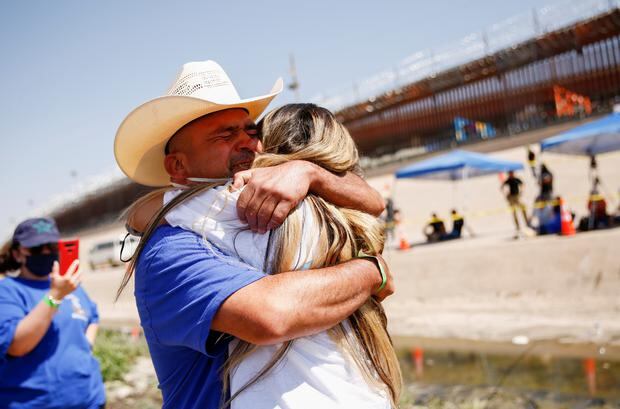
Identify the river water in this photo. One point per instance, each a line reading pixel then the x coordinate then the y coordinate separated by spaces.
pixel 521 374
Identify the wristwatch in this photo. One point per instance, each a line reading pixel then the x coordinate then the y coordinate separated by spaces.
pixel 361 254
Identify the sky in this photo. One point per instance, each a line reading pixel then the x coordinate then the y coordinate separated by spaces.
pixel 71 70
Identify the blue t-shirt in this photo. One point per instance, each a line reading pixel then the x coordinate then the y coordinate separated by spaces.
pixel 60 372
pixel 180 283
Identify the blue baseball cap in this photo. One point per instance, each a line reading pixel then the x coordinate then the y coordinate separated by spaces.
pixel 35 232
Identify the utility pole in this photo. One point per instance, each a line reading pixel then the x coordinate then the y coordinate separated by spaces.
pixel 294 85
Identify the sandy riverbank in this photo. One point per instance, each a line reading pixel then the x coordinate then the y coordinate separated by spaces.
pixel 561 288
pixel 493 289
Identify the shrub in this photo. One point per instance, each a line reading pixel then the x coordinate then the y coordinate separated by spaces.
pixel 116 353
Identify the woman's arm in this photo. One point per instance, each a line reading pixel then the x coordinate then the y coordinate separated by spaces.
pixel 271 193
pixel 35 324
pixel 142 212
pixel 31 329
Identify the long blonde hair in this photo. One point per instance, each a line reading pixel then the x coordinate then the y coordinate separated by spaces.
pixel 311 133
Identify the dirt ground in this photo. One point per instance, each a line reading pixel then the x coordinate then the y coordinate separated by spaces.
pixel 562 288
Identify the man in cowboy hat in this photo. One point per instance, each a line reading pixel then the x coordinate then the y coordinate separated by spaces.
pixel 189 294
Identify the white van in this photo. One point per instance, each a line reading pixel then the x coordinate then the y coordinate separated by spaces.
pixel 108 253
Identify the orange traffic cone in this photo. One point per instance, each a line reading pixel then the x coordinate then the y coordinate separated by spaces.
pixel 589 367
pixel 567 226
pixel 404 244
pixel 418 359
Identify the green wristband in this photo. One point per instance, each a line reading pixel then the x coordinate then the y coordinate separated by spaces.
pixel 361 254
pixel 49 300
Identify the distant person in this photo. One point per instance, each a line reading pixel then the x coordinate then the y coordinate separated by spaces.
pixel 531 160
pixel 435 229
pixel 548 214
pixel 390 224
pixel 399 230
pixel 616 216
pixel 593 168
pixel 458 222
pixel 545 182
pixel 48 326
pixel 512 189
pixel 398 217
pixel 597 218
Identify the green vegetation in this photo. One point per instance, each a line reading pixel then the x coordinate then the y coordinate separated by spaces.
pixel 117 352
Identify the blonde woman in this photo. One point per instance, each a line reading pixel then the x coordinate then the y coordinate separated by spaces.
pixel 351 365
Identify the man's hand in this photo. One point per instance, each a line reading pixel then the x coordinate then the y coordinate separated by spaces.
pixel 271 193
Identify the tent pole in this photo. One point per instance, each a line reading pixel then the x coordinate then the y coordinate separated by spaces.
pixel 463 195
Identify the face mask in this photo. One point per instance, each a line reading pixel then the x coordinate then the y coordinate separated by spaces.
pixel 201 180
pixel 209 180
pixel 41 265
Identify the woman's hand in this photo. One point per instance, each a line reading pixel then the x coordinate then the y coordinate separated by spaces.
pixel 33 326
pixel 63 285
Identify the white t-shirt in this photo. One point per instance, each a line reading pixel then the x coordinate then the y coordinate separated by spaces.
pixel 315 372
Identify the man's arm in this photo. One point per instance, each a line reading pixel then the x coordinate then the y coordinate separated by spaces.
pixel 299 303
pixel 271 193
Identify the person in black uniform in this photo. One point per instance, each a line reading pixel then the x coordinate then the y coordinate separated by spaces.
pixel 513 195
pixel 435 229
pixel 458 222
pixel 546 183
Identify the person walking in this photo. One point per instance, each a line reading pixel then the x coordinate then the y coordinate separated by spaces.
pixel 512 187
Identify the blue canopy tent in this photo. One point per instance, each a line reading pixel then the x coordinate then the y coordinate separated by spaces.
pixel 596 137
pixel 457 165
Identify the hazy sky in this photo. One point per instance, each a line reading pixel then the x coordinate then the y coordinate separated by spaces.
pixel 70 70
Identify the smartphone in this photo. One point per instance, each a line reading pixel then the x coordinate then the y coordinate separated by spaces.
pixel 68 251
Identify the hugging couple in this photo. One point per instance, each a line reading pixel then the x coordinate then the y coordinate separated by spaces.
pixel 259 276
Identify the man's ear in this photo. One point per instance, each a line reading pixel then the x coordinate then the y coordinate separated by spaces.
pixel 175 166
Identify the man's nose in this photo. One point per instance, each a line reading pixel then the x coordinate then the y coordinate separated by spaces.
pixel 246 141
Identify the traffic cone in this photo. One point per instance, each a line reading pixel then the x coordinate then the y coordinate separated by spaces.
pixel 589 367
pixel 417 356
pixel 404 244
pixel 567 226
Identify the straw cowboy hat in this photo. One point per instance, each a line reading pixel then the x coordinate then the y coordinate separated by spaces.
pixel 201 88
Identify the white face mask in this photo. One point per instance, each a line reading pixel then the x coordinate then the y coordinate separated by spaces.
pixel 209 180
pixel 201 180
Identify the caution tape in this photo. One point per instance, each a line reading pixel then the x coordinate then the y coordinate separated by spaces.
pixel 473 215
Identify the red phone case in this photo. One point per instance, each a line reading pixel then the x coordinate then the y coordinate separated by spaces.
pixel 68 251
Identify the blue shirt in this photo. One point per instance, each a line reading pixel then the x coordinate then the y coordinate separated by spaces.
pixel 180 283
pixel 60 372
